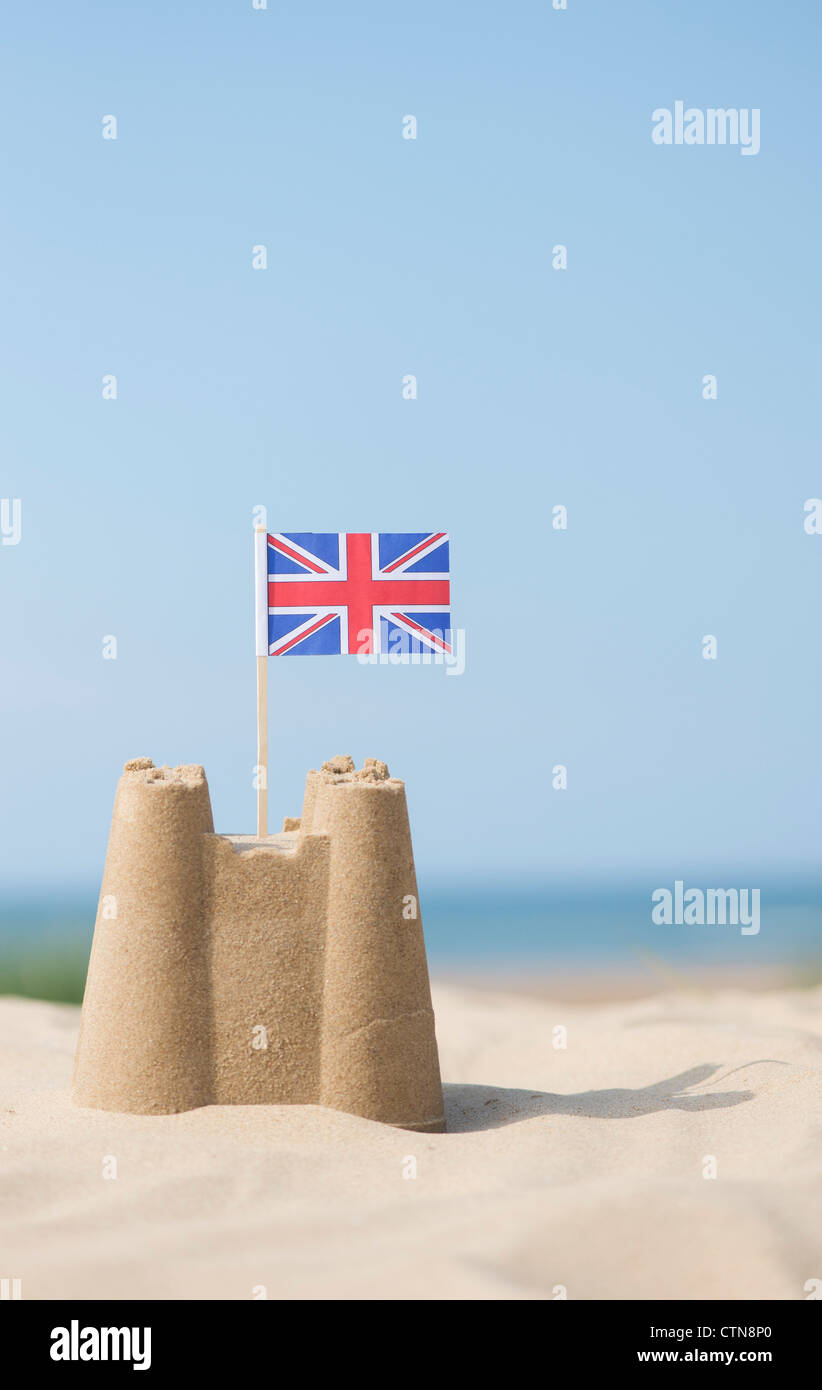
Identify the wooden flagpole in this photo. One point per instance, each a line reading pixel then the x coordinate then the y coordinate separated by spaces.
pixel 261 634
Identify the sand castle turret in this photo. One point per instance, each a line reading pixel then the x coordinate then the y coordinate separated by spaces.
pixel 144 1039
pixel 285 970
pixel 378 1054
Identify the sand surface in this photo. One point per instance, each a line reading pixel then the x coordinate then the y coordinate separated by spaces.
pixel 576 1169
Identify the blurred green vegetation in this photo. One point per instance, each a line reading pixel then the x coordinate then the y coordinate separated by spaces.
pixel 56 973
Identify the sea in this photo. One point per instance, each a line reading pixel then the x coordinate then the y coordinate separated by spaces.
pixel 508 928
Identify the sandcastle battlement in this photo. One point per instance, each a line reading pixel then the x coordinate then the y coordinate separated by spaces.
pixel 227 969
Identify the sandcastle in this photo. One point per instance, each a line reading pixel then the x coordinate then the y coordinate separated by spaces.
pixel 230 970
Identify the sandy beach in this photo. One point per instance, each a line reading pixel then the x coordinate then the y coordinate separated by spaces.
pixel 573 1171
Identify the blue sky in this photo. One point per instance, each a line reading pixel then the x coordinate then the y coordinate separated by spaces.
pixel 388 256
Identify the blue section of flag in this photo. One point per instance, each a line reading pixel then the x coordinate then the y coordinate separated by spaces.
pixel 434 563
pixel 324 642
pixel 281 623
pixel 280 564
pixel 393 544
pixel 398 639
pixel 324 544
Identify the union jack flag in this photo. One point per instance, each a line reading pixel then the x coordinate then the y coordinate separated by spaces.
pixel 331 593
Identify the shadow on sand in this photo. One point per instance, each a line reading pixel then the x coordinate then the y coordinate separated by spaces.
pixel 472 1108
